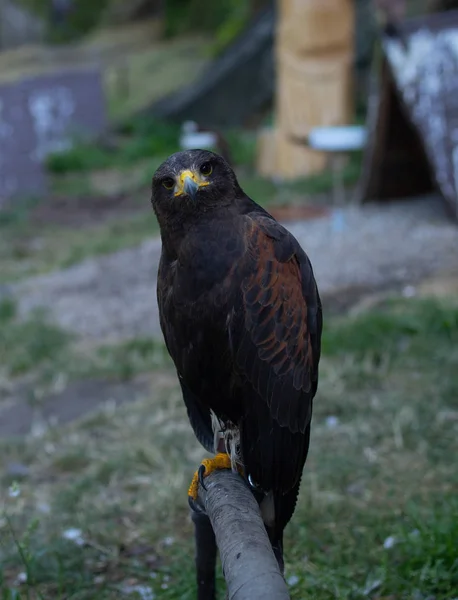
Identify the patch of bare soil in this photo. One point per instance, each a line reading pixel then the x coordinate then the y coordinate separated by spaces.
pixel 299 213
pixel 18 416
pixel 79 211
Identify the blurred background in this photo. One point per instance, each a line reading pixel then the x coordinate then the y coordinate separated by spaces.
pixel 340 118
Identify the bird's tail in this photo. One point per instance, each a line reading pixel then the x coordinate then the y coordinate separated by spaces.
pixel 276 539
pixel 284 506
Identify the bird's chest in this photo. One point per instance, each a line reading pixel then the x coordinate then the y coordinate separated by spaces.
pixel 196 297
pixel 204 273
pixel 195 333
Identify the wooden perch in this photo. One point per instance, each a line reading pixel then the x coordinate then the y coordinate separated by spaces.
pixel 249 564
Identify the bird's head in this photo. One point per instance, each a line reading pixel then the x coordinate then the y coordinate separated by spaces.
pixel 193 181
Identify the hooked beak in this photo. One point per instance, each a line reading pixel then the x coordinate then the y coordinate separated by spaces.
pixel 189 183
pixel 190 187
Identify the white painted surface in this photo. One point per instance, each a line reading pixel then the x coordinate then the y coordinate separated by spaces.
pixel 426 74
pixel 338 139
pixel 191 138
pixel 204 140
pixel 51 112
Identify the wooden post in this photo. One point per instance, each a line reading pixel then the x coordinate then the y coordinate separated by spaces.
pixel 314 59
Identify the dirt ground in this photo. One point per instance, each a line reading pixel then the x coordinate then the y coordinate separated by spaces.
pixel 80 211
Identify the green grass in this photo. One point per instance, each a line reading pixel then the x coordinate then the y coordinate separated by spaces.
pixel 125 359
pixel 144 138
pixel 397 331
pixel 141 138
pixel 425 552
pixel 383 467
pixel 108 238
pixel 36 347
pixel 23 253
pixel 268 193
pixel 94 225
pixel 314 188
pixel 27 344
pixel 154 72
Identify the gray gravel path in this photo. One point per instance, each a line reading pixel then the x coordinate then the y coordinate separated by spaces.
pixel 380 245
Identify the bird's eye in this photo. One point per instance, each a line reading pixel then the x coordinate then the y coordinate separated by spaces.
pixel 206 169
pixel 168 183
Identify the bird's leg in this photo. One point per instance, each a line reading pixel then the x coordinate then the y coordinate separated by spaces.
pixel 206 551
pixel 277 547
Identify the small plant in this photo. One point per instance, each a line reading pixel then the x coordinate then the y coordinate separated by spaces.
pixel 22 549
pixel 7 310
pixel 27 344
pixel 424 554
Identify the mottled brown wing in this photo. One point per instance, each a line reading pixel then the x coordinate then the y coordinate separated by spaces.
pixel 278 347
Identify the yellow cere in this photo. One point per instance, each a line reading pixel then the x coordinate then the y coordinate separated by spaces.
pixel 192 175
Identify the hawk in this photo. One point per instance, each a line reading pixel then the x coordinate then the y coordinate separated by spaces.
pixel 241 317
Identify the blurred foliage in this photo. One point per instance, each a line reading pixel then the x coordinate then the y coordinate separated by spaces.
pixel 84 16
pixel 230 28
pixel 271 192
pixel 225 19
pixel 242 146
pixel 141 138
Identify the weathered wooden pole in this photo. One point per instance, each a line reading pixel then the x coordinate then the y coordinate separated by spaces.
pixel 249 565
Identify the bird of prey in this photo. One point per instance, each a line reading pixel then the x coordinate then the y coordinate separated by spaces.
pixel 241 317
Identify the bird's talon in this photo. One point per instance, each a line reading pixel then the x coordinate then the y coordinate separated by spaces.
pixel 195 505
pixel 220 461
pixel 254 486
pixel 201 475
